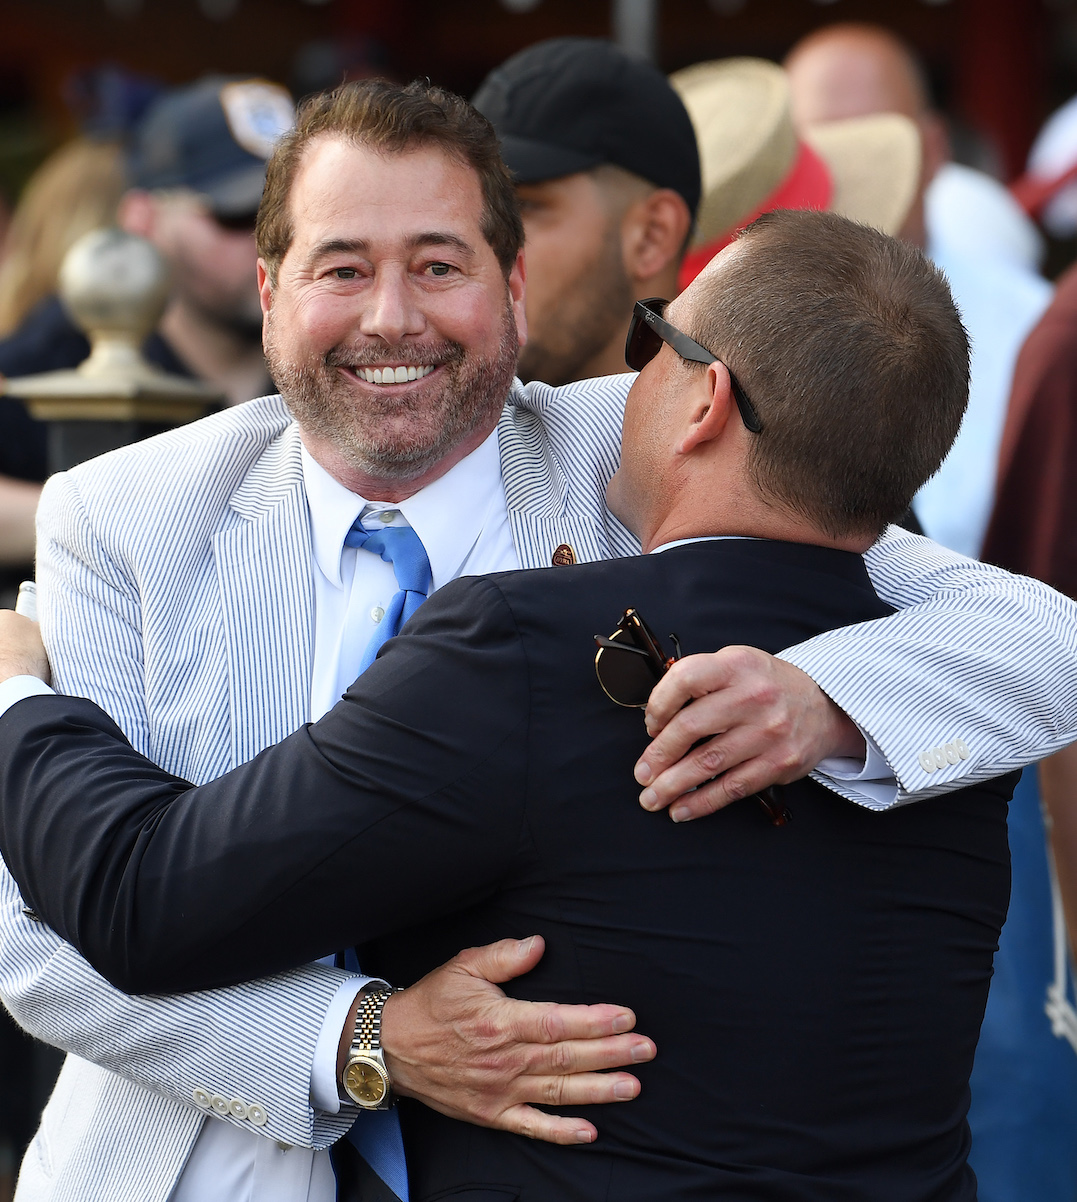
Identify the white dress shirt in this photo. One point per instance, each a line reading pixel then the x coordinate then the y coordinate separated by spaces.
pixel 463 522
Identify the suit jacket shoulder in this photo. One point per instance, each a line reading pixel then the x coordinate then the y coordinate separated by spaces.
pixel 559 448
pixel 190 470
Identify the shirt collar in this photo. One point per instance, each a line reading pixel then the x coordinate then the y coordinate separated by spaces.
pixel 703 538
pixel 448 514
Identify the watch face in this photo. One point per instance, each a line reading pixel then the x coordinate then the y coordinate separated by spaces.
pixel 365 1082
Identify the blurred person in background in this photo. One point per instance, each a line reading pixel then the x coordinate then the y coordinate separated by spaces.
pixel 850 70
pixel 194 173
pixel 607 175
pixel 1032 528
pixel 1024 1085
pixel 75 190
pixel 753 160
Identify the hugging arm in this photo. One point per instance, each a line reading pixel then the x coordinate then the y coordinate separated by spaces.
pixel 255 1040
pixel 973 654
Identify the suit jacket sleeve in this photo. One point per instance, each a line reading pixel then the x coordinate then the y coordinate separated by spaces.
pixel 973 654
pixel 405 800
pixel 255 1040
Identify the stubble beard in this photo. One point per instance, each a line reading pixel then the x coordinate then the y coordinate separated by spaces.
pixel 592 310
pixel 468 391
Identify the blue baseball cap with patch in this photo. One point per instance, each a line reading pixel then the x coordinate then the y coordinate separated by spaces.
pixel 212 137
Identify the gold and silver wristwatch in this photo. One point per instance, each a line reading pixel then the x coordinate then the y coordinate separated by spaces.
pixel 365 1079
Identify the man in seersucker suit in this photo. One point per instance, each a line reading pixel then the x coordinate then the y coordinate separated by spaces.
pixel 815 988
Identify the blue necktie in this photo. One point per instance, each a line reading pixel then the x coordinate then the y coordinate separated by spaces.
pixel 402 547
pixel 376 1135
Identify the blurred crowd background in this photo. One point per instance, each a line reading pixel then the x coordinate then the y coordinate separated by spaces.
pixel 990 85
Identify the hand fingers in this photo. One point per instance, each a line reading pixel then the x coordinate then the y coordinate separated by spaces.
pixel 581 1089
pixel 692 677
pixel 745 758
pixel 501 961
pixel 553 1022
pixel 719 793
pixel 584 1089
pixel 709 716
pixel 587 1055
pixel 536 1124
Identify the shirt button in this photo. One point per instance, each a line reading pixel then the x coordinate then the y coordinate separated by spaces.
pixel 387 516
pixel 376 614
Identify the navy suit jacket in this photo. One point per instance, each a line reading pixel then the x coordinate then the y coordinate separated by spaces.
pixel 815 990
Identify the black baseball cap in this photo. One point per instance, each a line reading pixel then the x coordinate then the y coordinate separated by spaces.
pixel 214 137
pixel 570 104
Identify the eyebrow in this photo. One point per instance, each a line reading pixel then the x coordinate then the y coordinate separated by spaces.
pixel 359 246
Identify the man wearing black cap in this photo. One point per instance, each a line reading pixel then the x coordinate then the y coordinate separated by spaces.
pixel 607 173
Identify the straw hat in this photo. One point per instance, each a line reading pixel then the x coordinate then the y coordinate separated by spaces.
pixel 865 168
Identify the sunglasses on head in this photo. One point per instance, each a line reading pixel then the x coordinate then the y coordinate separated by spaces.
pixel 631 662
pixel 649 329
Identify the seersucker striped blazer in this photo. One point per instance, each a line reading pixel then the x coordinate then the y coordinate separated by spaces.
pixel 175 590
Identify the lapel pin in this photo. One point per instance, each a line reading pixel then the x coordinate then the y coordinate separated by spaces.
pixel 563 556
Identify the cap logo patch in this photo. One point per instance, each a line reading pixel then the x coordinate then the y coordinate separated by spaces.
pixel 258 114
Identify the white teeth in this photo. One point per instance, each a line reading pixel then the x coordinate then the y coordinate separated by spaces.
pixel 393 375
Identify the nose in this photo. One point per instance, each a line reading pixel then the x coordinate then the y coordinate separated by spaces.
pixel 391 311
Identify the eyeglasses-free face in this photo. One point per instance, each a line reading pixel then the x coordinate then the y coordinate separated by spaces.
pixel 631 662
pixel 649 329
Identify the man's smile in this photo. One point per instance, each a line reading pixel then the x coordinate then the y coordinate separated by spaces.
pixel 399 374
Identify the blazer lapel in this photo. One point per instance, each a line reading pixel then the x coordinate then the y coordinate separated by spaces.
pixel 263 561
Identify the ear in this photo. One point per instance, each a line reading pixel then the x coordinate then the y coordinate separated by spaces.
pixel 517 292
pixel 265 287
pixel 137 212
pixel 653 232
pixel 711 403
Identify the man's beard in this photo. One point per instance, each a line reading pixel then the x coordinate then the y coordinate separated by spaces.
pixel 593 309
pixel 468 391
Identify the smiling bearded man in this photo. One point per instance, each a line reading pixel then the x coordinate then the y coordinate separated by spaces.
pixel 468 394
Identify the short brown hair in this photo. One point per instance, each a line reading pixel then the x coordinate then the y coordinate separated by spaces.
pixel 392 118
pixel 851 349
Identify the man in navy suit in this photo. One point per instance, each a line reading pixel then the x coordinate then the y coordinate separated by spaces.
pixel 814 988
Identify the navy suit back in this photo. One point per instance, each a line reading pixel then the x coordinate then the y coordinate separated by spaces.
pixel 814 990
